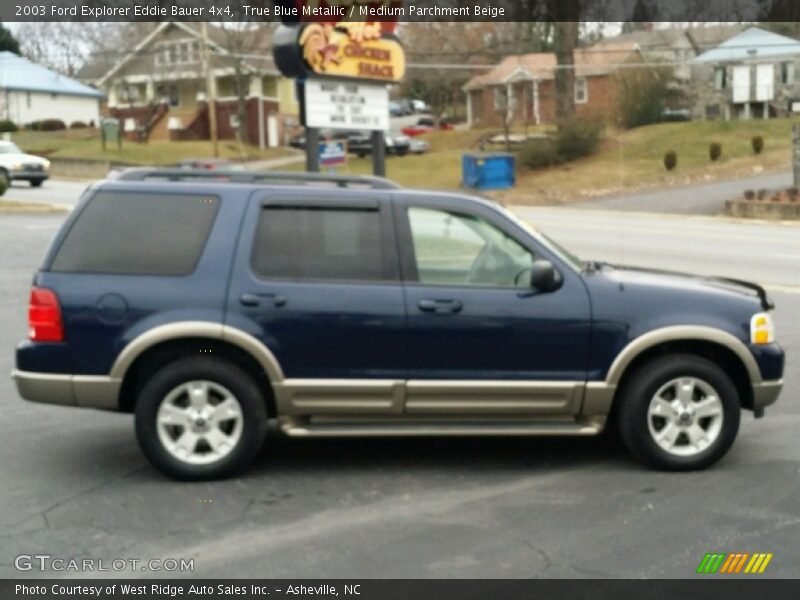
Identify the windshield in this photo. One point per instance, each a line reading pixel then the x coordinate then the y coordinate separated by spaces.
pixel 10 149
pixel 569 258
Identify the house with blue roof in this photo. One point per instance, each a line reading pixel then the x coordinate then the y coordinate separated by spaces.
pixel 753 74
pixel 30 92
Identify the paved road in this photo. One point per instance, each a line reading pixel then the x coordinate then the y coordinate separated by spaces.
pixel 700 199
pixel 53 191
pixel 75 484
pixel 765 252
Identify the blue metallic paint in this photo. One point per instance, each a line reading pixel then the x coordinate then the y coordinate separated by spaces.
pixel 375 330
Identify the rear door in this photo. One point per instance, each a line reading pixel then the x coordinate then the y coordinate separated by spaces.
pixel 316 280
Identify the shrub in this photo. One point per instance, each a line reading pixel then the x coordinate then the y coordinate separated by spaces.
pixel 47 125
pixel 792 193
pixel 578 138
pixel 670 160
pixel 761 194
pixel 7 126
pixel 539 153
pixel 749 195
pixel 714 151
pixel 757 143
pixel 78 125
pixel 642 96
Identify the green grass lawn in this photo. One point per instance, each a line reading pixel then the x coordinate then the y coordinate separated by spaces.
pixel 626 160
pixel 85 144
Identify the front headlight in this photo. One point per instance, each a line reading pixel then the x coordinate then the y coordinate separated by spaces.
pixel 762 330
pixel 46 165
pixel 16 167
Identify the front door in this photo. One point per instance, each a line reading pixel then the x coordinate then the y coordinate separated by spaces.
pixel 480 339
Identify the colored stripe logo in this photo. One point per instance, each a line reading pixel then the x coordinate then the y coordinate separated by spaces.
pixel 734 562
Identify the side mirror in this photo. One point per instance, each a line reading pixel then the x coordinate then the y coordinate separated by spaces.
pixel 544 276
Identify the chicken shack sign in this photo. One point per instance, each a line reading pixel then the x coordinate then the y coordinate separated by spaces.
pixel 366 51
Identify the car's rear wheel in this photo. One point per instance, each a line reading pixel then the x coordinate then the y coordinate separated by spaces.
pixel 679 412
pixel 200 418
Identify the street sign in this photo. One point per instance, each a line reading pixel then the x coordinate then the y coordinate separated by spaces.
pixel 331 104
pixel 332 154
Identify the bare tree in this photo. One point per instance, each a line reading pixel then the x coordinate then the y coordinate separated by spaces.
pixel 66 46
pixel 244 43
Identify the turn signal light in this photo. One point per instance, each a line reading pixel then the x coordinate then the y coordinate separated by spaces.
pixel 762 331
pixel 44 316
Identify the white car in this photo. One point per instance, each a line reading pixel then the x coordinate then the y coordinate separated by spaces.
pixel 15 164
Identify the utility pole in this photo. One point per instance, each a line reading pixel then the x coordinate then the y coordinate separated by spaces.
pixel 211 92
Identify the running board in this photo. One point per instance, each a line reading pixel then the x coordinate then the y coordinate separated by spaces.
pixel 410 429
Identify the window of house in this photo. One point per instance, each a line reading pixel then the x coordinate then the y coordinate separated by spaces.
pixel 319 244
pixel 170 93
pixel 581 90
pixel 787 73
pixel 720 78
pixel 28 99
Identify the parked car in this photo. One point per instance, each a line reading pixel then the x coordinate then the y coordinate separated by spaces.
pixel 395 143
pixel 18 165
pixel 419 106
pixel 397 110
pixel 417 146
pixel 348 306
pixel 426 125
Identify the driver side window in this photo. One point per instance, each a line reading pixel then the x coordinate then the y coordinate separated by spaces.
pixel 458 249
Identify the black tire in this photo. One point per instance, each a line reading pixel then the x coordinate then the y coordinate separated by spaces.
pixel 5 182
pixel 223 373
pixel 639 391
pixel 36 182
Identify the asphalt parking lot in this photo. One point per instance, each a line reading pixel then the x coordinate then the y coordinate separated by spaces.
pixel 76 485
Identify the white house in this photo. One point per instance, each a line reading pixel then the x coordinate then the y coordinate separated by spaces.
pixel 753 74
pixel 31 92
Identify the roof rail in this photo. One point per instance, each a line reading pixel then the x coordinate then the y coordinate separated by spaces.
pixel 243 176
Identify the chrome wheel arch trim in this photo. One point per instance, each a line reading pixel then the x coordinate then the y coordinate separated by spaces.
pixel 197 329
pixel 681 333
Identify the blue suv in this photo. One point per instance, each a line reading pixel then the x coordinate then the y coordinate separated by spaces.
pixel 207 303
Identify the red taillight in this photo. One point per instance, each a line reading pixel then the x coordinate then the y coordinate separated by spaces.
pixel 44 316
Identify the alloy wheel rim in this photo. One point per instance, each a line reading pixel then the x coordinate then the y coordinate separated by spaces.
pixel 199 422
pixel 685 416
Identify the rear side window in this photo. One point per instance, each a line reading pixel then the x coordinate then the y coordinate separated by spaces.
pixel 319 243
pixel 135 233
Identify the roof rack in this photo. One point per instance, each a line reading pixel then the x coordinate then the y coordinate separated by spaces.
pixel 243 176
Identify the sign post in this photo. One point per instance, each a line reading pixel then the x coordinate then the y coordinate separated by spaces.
pixel 343 70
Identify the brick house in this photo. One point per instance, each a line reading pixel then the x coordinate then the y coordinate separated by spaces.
pixel 157 89
pixel 753 74
pixel 522 88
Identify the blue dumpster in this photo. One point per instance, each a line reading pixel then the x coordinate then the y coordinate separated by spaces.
pixel 488 170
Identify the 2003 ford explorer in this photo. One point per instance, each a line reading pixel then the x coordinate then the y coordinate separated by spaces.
pixel 208 303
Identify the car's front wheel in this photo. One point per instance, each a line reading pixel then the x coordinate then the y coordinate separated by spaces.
pixel 200 418
pixel 679 412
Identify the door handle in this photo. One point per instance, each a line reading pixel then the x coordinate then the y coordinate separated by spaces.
pixel 440 306
pixel 258 299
